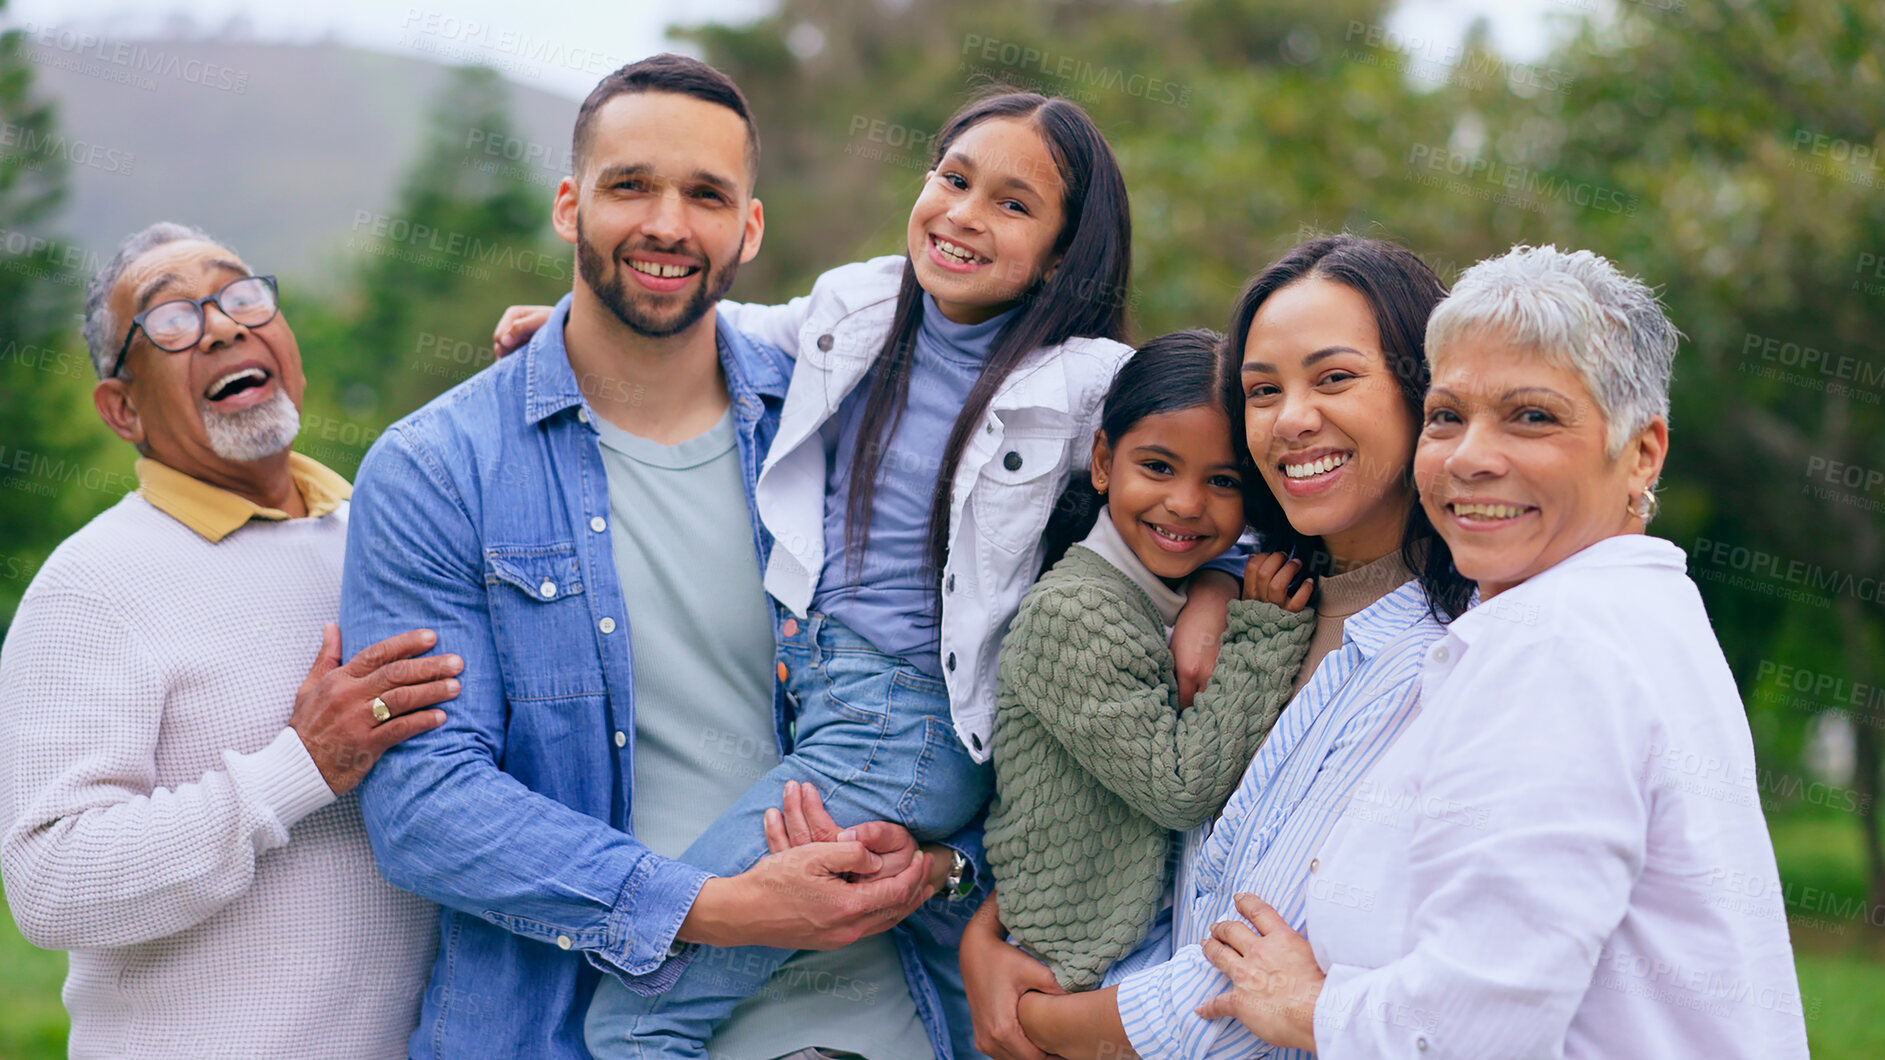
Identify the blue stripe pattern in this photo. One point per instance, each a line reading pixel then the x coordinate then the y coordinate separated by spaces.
pixel 1353 708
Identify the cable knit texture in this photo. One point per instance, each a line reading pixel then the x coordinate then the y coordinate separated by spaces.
pixel 166 826
pixel 1095 766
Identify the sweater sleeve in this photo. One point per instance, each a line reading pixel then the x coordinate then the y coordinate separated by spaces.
pixel 1096 677
pixel 95 854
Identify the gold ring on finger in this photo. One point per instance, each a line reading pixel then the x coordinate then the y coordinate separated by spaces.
pixel 380 710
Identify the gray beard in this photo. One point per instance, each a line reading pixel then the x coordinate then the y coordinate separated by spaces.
pixel 253 433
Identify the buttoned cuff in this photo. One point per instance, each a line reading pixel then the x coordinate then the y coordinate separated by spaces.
pixel 282 781
pixel 1336 1006
pixel 1144 1002
pixel 654 901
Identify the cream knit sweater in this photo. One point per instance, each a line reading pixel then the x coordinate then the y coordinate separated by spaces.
pixel 165 826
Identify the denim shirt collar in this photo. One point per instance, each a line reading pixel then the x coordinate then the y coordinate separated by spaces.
pixel 551 384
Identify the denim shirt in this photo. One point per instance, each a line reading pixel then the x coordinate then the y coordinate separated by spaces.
pixel 483 516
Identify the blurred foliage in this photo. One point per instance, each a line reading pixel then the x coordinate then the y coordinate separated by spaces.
pixel 1728 151
pixel 50 443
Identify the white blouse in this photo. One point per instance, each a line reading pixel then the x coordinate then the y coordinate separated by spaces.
pixel 1564 855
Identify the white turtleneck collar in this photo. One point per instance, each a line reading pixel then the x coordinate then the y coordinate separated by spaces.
pixel 1106 541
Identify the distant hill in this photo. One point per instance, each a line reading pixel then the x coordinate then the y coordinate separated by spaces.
pixel 275 148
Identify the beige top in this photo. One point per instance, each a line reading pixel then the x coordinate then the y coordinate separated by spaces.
pixel 1341 595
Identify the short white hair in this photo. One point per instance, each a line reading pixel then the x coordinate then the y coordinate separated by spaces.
pixel 99 328
pixel 1575 310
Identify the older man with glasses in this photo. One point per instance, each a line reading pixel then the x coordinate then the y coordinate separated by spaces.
pixel 175 781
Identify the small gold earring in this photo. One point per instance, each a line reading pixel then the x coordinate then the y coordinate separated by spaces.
pixel 1645 507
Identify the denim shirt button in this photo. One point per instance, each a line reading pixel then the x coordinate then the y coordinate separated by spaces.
pixel 621 738
pixel 598 524
pixel 583 415
pixel 563 942
pixel 675 949
pixel 607 625
pixel 548 588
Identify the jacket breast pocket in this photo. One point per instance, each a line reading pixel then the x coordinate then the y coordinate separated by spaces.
pixel 1016 490
pixel 546 642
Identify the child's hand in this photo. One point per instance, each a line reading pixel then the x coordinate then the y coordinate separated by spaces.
pixel 1199 632
pixel 515 327
pixel 1267 577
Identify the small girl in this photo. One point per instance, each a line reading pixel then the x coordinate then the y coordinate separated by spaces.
pixel 940 402
pixel 1096 765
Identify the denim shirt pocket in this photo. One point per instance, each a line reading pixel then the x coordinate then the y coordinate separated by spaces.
pixel 546 641
pixel 1016 489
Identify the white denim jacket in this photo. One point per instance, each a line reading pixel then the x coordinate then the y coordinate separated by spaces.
pixel 1037 432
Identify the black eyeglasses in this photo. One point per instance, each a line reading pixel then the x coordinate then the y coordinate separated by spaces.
pixel 177 325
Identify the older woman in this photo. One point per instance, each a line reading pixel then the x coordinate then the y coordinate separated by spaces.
pixel 1564 855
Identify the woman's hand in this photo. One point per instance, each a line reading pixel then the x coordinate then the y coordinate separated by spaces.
pixel 1267 577
pixel 995 975
pixel 1198 633
pixel 515 327
pixel 1274 976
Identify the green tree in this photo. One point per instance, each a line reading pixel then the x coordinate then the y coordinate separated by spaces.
pixel 467 235
pixel 56 470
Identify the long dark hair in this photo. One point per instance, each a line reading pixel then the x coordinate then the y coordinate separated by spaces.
pixel 1085 296
pixel 1402 292
pixel 1172 373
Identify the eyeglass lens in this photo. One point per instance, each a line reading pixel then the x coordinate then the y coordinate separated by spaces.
pixel 178 325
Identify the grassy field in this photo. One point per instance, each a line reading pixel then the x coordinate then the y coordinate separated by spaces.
pixel 1841 959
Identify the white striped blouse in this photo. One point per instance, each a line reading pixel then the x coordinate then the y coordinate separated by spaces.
pixel 1360 698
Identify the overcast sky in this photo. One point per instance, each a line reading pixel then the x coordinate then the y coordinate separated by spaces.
pixel 587 36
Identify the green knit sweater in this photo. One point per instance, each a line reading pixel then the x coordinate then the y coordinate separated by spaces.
pixel 1095 766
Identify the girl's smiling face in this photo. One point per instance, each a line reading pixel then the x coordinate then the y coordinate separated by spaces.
pixel 1173 488
pixel 1330 431
pixel 983 231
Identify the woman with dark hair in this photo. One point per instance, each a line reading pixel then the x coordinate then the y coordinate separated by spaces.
pixel 1549 868
pixel 1327 351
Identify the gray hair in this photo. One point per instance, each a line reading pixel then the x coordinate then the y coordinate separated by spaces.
pixel 99 328
pixel 1577 311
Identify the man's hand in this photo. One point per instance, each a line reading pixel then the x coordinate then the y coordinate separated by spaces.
pixel 803 820
pixel 333 712
pixel 1267 577
pixel 515 327
pixel 1275 980
pixel 803 899
pixel 995 975
pixel 1198 634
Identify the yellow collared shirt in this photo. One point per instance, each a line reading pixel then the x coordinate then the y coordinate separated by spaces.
pixel 216 513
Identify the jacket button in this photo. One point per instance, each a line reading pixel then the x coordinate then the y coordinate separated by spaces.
pixel 783 673
pixel 824 343
pixel 1012 461
pixel 976 740
pixel 949 586
pixel 950 663
pixel 791 627
pixel 548 588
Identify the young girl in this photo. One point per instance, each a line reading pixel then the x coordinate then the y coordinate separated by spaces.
pixel 1096 765
pixel 940 403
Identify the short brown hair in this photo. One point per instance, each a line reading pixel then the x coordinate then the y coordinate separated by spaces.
pixel 673 73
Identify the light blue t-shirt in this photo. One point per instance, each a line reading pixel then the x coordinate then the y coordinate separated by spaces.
pixel 702 635
pixel 886 596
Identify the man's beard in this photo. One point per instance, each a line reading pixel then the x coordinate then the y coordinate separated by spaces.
pixel 253 433
pixel 639 316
